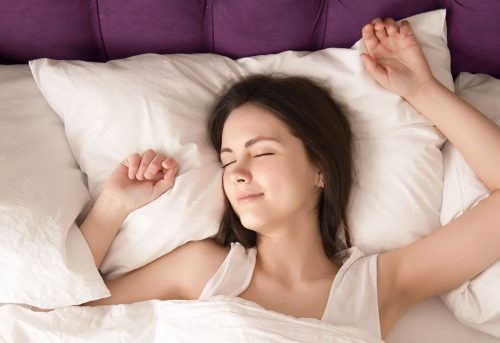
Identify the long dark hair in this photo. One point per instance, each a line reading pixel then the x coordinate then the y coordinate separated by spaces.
pixel 313 116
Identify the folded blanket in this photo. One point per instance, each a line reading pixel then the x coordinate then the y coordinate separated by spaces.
pixel 220 320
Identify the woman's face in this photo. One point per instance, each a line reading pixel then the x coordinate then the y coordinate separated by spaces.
pixel 264 160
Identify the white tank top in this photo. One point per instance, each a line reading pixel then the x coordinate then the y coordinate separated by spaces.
pixel 353 299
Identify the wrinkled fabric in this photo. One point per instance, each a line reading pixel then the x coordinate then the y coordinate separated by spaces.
pixel 170 321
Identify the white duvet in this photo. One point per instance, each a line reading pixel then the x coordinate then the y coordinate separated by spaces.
pixel 219 320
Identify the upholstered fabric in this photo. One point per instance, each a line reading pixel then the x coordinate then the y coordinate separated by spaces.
pixel 100 30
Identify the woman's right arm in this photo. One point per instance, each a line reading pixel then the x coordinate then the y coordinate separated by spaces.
pixel 179 274
pixel 102 224
pixel 134 183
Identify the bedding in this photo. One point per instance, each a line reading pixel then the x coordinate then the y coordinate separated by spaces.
pixel 42 191
pixel 150 98
pixel 172 321
pixel 100 31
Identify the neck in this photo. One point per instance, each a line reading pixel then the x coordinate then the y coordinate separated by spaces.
pixel 294 254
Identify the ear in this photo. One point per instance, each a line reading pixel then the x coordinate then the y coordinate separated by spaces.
pixel 320 180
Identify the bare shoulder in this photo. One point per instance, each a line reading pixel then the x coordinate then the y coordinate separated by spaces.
pixel 179 274
pixel 203 259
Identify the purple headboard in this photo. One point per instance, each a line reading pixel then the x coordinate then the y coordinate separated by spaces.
pixel 100 30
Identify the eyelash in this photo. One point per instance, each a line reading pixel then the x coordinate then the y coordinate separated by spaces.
pixel 259 155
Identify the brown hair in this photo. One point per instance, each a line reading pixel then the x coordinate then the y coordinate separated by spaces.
pixel 313 116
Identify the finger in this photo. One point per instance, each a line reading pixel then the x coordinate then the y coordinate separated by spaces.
pixel 391 27
pixel 171 172
pixel 377 22
pixel 367 60
pixel 374 69
pixel 154 166
pixel 161 187
pixel 158 176
pixel 369 38
pixel 166 183
pixel 146 159
pixel 133 164
pixel 379 28
pixel 406 29
pixel 169 163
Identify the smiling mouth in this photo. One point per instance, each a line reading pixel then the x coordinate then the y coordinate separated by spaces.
pixel 249 198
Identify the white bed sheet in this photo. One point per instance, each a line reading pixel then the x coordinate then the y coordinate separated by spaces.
pixel 432 322
pixel 220 320
pixel 217 321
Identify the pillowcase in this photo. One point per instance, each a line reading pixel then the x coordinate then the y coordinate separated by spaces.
pixel 111 110
pixel 44 259
pixel 476 302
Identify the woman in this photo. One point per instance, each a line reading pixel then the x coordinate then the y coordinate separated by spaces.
pixel 287 182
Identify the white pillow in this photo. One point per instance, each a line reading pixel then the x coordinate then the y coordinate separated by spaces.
pixel 44 259
pixel 114 109
pixel 476 302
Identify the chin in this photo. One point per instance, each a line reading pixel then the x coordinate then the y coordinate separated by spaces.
pixel 252 222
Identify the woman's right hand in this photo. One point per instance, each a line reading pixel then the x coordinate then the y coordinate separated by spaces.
pixel 138 180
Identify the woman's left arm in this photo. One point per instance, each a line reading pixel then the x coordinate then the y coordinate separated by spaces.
pixel 469 244
pixel 471 132
pixel 396 61
pixel 445 259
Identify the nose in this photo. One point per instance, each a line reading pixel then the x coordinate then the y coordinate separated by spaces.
pixel 240 173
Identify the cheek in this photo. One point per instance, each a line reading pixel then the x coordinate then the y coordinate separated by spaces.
pixel 226 184
pixel 286 181
pixel 229 188
pixel 297 184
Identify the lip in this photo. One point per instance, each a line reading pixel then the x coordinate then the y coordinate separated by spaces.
pixel 248 196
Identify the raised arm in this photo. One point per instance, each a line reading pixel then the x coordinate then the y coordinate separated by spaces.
pixel 179 274
pixel 397 62
pixel 134 183
pixel 468 244
pixel 470 131
pixel 101 226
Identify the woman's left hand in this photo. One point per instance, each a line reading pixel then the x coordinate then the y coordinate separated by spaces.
pixel 394 59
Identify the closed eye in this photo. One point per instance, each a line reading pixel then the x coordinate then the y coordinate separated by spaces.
pixel 259 155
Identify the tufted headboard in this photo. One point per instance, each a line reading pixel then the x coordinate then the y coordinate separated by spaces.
pixel 100 30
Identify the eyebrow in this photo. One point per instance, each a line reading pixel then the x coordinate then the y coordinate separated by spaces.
pixel 252 142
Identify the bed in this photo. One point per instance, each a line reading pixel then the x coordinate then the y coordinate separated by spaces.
pixel 66 118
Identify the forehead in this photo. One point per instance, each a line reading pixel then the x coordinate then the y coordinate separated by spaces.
pixel 250 120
